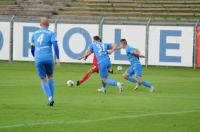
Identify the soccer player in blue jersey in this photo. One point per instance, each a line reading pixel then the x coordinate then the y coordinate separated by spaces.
pixel 135 68
pixel 102 51
pixel 41 48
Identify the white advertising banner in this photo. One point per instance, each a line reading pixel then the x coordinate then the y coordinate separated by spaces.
pixel 135 35
pixel 74 40
pixel 4 40
pixel 21 40
pixel 170 46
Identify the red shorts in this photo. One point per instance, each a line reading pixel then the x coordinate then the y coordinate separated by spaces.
pixel 94 65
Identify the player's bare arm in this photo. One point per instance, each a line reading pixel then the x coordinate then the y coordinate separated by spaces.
pixel 88 53
pixel 138 53
pixel 80 58
pixel 118 48
pixel 114 47
pixel 58 62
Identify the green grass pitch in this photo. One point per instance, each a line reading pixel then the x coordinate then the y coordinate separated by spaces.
pixel 174 107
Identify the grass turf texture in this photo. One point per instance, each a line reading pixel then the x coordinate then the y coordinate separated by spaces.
pixel 174 107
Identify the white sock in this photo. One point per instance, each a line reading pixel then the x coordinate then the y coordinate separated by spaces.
pixel 118 84
pixel 103 88
pixel 50 98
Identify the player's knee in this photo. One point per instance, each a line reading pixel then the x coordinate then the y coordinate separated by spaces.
pixel 50 77
pixel 139 80
pixel 43 79
pixel 125 75
pixel 90 71
pixel 104 79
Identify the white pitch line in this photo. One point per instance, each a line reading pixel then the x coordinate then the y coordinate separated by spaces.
pixel 97 120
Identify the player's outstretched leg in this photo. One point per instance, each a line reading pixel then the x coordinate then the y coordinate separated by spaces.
pixel 148 85
pixel 131 79
pixel 103 89
pixel 103 70
pixel 128 76
pixel 110 70
pixel 112 82
pixel 47 91
pixel 85 77
pixel 138 74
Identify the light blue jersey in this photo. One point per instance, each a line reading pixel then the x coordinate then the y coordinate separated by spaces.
pixel 135 69
pixel 133 59
pixel 43 39
pixel 101 51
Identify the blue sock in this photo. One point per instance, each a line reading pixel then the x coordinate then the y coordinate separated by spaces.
pixel 111 82
pixel 51 86
pixel 146 84
pixel 45 87
pixel 131 79
pixel 103 84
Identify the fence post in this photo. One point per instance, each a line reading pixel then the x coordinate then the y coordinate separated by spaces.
pixel 195 45
pixel 101 27
pixel 56 25
pixel 11 39
pixel 147 43
pixel 55 30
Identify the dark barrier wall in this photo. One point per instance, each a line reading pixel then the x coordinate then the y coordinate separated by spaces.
pixel 198 47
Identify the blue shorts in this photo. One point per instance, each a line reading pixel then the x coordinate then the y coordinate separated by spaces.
pixel 44 68
pixel 103 69
pixel 135 70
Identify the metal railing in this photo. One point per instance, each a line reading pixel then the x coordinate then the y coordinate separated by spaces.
pixel 112 21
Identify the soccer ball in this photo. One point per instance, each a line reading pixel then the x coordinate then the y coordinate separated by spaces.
pixel 119 68
pixel 70 83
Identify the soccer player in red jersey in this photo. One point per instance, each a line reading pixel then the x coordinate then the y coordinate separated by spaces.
pixel 93 69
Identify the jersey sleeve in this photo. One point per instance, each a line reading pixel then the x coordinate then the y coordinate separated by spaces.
pixel 109 46
pixel 32 46
pixel 32 40
pixel 53 37
pixel 131 50
pixel 55 44
pixel 90 48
